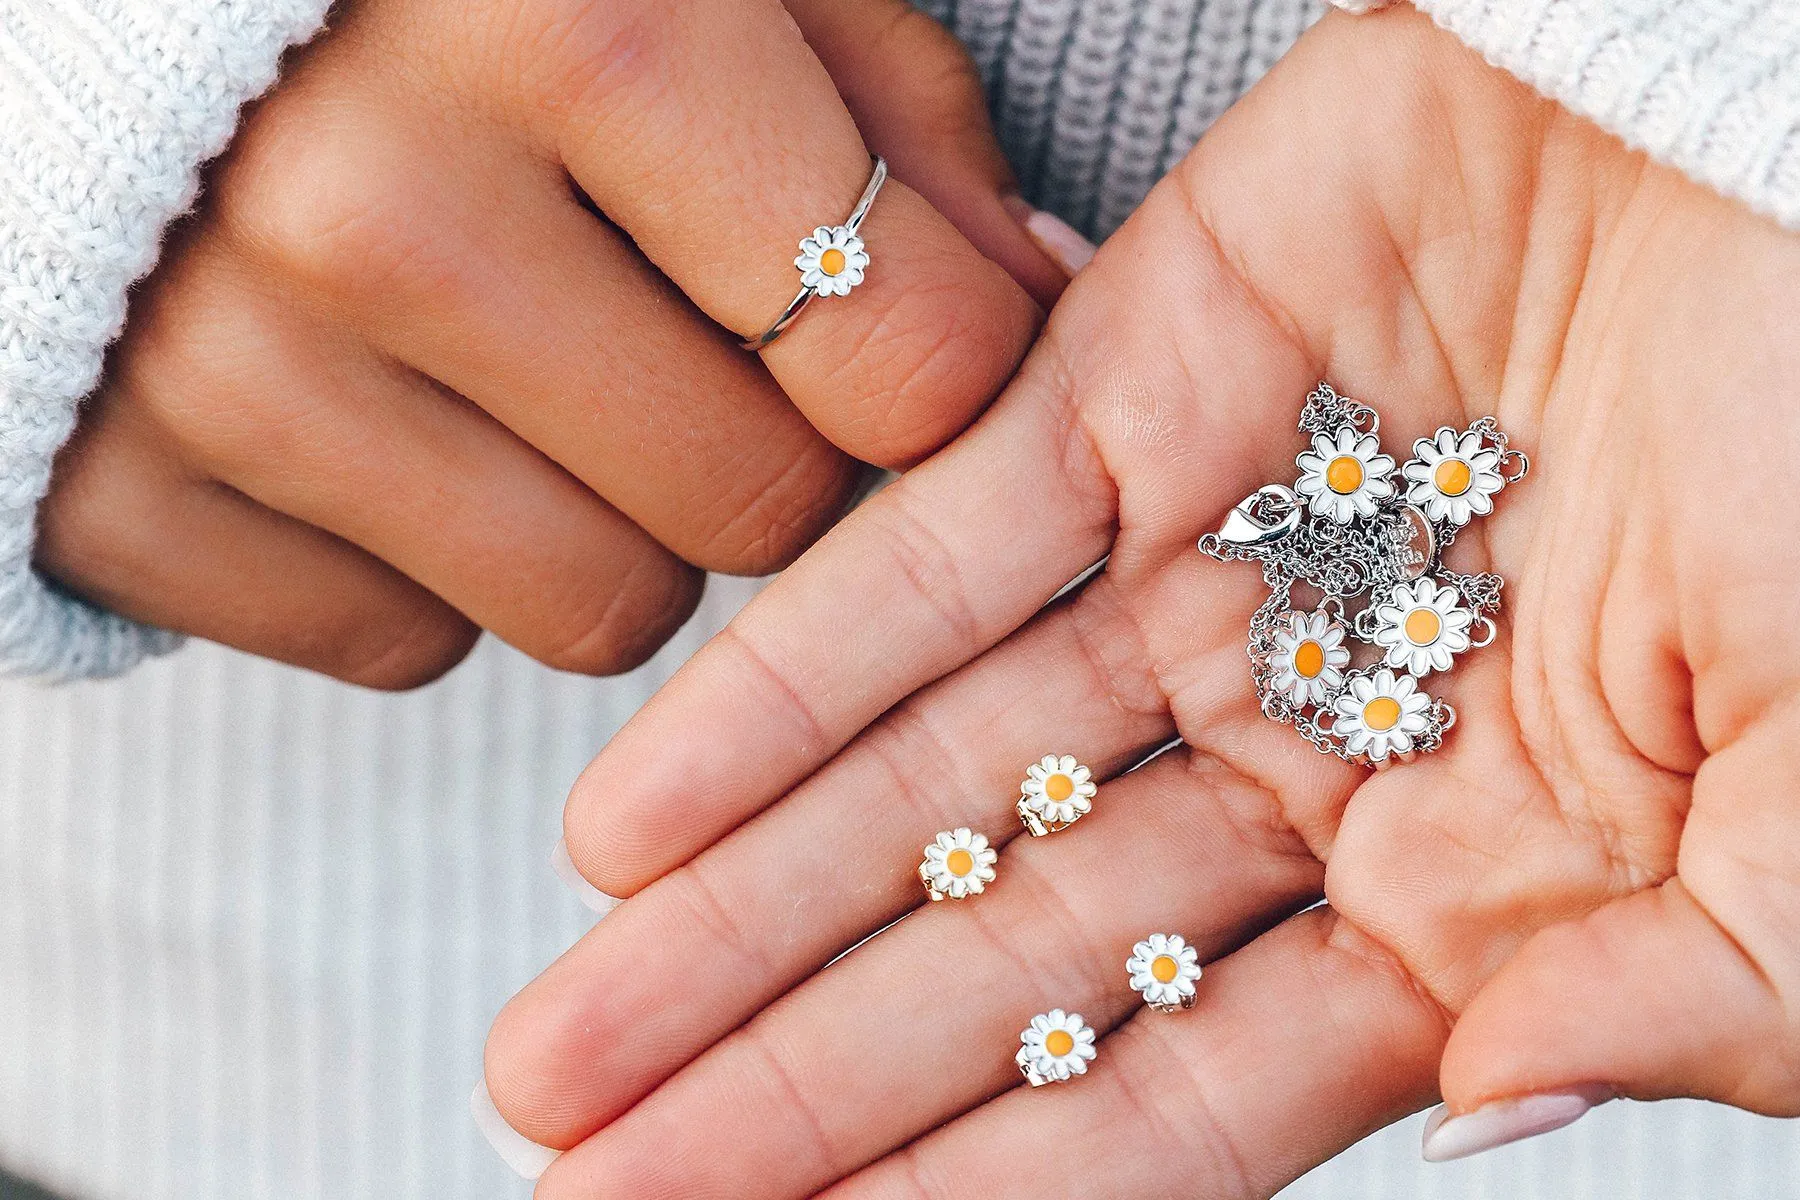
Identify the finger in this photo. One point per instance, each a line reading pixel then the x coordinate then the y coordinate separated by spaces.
pixel 962 550
pixel 1682 990
pixel 919 102
pixel 596 1032
pixel 1101 673
pixel 1236 1098
pixel 305 421
pixel 128 528
pixel 550 321
pixel 713 135
pixel 932 571
pixel 922 1022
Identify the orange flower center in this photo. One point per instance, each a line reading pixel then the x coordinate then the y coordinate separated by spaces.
pixel 1423 626
pixel 832 261
pixel 1059 1042
pixel 1381 714
pixel 1344 474
pixel 1309 659
pixel 1452 477
pixel 959 862
pixel 1059 787
pixel 1164 969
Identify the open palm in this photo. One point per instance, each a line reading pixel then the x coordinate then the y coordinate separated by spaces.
pixel 1593 886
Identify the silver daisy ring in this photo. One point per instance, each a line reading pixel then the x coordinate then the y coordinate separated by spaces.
pixel 832 260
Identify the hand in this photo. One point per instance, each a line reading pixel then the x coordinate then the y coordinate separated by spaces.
pixel 1592 888
pixel 400 377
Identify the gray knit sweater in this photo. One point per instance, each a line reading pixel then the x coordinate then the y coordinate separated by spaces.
pixel 111 107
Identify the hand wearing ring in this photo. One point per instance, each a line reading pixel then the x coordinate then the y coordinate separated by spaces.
pixel 475 372
pixel 832 260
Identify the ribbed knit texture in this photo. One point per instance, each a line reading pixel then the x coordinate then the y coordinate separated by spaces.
pixel 1095 100
pixel 109 107
pixel 1709 86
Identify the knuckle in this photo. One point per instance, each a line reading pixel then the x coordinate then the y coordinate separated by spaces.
pixel 784 516
pixel 81 540
pixel 930 361
pixel 626 625
pixel 202 363
pixel 410 649
pixel 575 53
pixel 939 68
pixel 338 210
pixel 931 571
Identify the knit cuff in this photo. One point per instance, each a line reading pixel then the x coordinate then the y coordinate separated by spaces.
pixel 1709 87
pixel 110 107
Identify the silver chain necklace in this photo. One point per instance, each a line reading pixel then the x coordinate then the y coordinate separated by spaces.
pixel 1369 540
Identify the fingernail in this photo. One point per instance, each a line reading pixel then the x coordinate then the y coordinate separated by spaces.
pixel 519 1152
pixel 1502 1121
pixel 1054 236
pixel 589 895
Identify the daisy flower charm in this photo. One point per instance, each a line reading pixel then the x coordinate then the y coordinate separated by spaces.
pixel 1381 714
pixel 1454 477
pixel 832 260
pixel 958 863
pixel 1055 1046
pixel 1164 969
pixel 1309 659
pixel 1422 626
pixel 1057 792
pixel 1343 476
pixel 1369 542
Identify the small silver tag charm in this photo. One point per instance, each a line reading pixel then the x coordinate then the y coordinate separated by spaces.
pixel 1369 539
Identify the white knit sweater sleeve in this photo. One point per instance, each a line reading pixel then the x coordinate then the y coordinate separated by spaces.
pixel 107 110
pixel 1710 87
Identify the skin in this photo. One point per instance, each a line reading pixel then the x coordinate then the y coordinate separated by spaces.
pixel 1595 882
pixel 451 341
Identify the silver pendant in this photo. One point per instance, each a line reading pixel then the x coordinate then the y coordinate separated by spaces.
pixel 1369 539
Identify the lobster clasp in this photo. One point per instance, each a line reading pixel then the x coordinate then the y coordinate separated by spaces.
pixel 1266 515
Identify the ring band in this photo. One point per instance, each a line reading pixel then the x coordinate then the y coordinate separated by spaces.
pixel 831 261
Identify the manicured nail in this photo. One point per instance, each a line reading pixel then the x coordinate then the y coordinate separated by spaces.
pixel 518 1151
pixel 1502 1121
pixel 1055 237
pixel 587 893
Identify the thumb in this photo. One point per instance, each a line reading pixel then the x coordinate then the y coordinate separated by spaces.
pixel 919 103
pixel 1687 989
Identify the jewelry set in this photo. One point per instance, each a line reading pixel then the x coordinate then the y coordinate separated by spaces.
pixel 1371 547
pixel 1367 540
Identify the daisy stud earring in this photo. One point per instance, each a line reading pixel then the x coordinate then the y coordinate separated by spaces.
pixel 958 863
pixel 1055 1046
pixel 1164 969
pixel 1057 792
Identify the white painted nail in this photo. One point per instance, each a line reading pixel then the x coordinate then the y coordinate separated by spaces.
pixel 587 893
pixel 1059 240
pixel 519 1152
pixel 1502 1121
